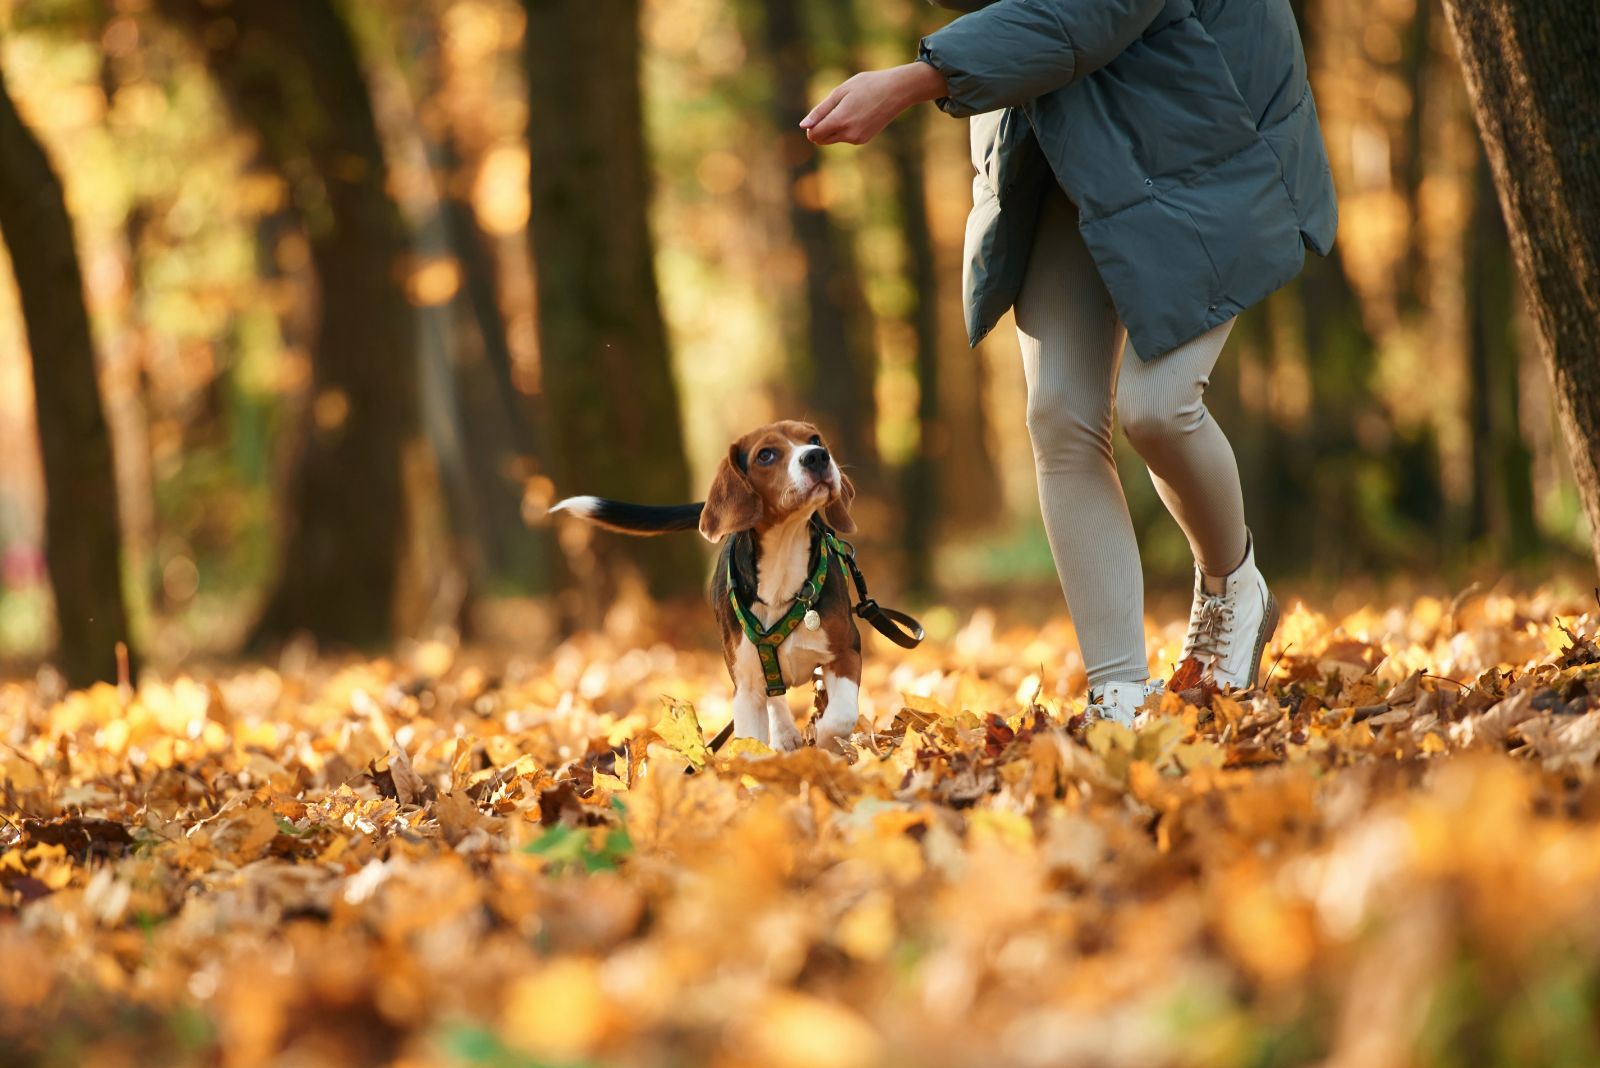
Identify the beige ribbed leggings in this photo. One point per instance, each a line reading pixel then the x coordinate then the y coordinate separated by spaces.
pixel 1072 344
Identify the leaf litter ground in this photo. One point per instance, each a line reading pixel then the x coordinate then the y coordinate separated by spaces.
pixel 1389 856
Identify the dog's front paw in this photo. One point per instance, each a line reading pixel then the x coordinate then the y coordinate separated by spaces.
pixel 789 743
pixel 786 737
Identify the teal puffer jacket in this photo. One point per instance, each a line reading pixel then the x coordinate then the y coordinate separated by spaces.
pixel 1183 130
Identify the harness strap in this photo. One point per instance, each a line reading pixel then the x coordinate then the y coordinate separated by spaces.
pixel 895 625
pixel 766 640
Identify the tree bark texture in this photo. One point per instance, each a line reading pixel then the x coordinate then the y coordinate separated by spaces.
pixel 82 542
pixel 1502 475
pixel 1535 85
pixel 612 404
pixel 920 510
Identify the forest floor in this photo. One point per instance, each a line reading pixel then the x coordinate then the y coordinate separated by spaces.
pixel 1389 857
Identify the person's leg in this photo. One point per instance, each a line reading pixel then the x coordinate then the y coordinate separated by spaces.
pixel 1071 339
pixel 1161 405
pixel 1163 412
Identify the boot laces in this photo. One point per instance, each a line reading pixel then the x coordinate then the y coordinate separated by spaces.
pixel 1210 627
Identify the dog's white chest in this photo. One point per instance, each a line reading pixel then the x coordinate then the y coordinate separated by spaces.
pixel 803 652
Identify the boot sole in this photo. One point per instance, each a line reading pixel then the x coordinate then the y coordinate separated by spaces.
pixel 1269 627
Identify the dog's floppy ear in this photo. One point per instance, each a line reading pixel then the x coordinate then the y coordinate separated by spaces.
pixel 838 511
pixel 732 504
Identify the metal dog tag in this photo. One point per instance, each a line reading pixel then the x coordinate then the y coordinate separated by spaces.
pixel 812 620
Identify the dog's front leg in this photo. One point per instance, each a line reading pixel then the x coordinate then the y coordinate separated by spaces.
pixel 749 695
pixel 749 713
pixel 842 679
pixel 785 735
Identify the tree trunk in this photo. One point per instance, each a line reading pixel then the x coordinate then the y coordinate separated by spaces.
pixel 1535 87
pixel 290 72
pixel 1502 478
pixel 1338 354
pixel 491 422
pixel 81 537
pixel 840 376
pixel 496 449
pixel 973 491
pixel 921 506
pixel 615 427
pixel 1416 65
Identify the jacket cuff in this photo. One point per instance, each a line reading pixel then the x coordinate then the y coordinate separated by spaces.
pixel 959 82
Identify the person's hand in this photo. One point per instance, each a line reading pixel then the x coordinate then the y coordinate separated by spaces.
pixel 858 110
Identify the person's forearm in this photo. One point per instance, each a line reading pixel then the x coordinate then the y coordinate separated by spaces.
pixel 923 82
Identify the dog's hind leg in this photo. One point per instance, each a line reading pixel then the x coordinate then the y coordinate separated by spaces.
pixel 784 734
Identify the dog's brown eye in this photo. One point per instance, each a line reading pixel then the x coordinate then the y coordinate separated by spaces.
pixel 766 456
pixel 816 439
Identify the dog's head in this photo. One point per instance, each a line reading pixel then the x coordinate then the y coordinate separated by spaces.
pixel 775 473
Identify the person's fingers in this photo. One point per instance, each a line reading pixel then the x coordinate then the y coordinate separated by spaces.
pixel 820 112
pixel 826 130
pixel 831 130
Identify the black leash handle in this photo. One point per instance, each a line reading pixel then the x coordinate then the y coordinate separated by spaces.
pixel 893 624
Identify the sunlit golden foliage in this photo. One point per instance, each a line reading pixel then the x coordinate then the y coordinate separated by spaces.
pixel 1390 858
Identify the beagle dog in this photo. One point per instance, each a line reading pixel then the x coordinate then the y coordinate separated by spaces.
pixel 779 589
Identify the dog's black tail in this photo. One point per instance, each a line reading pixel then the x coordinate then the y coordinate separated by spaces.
pixel 626 518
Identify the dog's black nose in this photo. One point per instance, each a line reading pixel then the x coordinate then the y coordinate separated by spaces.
pixel 814 459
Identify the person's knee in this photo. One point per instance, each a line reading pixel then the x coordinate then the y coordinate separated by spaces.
pixel 1156 423
pixel 1064 438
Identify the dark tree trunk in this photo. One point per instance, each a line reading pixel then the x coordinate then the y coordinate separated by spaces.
pixel 1338 354
pixel 1416 66
pixel 290 71
pixel 1368 482
pixel 498 451
pixel 492 423
pixel 81 535
pixel 1239 400
pixel 972 491
pixel 920 509
pixel 840 372
pixel 615 427
pixel 1502 478
pixel 1535 87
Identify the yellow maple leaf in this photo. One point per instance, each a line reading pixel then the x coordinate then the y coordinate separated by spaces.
pixel 679 728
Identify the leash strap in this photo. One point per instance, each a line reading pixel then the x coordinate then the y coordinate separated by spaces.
pixel 893 624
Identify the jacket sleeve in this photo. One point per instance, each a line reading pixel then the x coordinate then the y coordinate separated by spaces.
pixel 1012 51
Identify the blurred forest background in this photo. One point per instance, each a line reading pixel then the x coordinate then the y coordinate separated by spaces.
pixel 367 285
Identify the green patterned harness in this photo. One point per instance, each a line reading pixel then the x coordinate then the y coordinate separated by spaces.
pixel 767 640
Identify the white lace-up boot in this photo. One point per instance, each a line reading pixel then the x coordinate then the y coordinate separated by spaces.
pixel 1119 701
pixel 1228 630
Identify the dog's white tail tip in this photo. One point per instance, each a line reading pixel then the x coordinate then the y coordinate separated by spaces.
pixel 578 506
